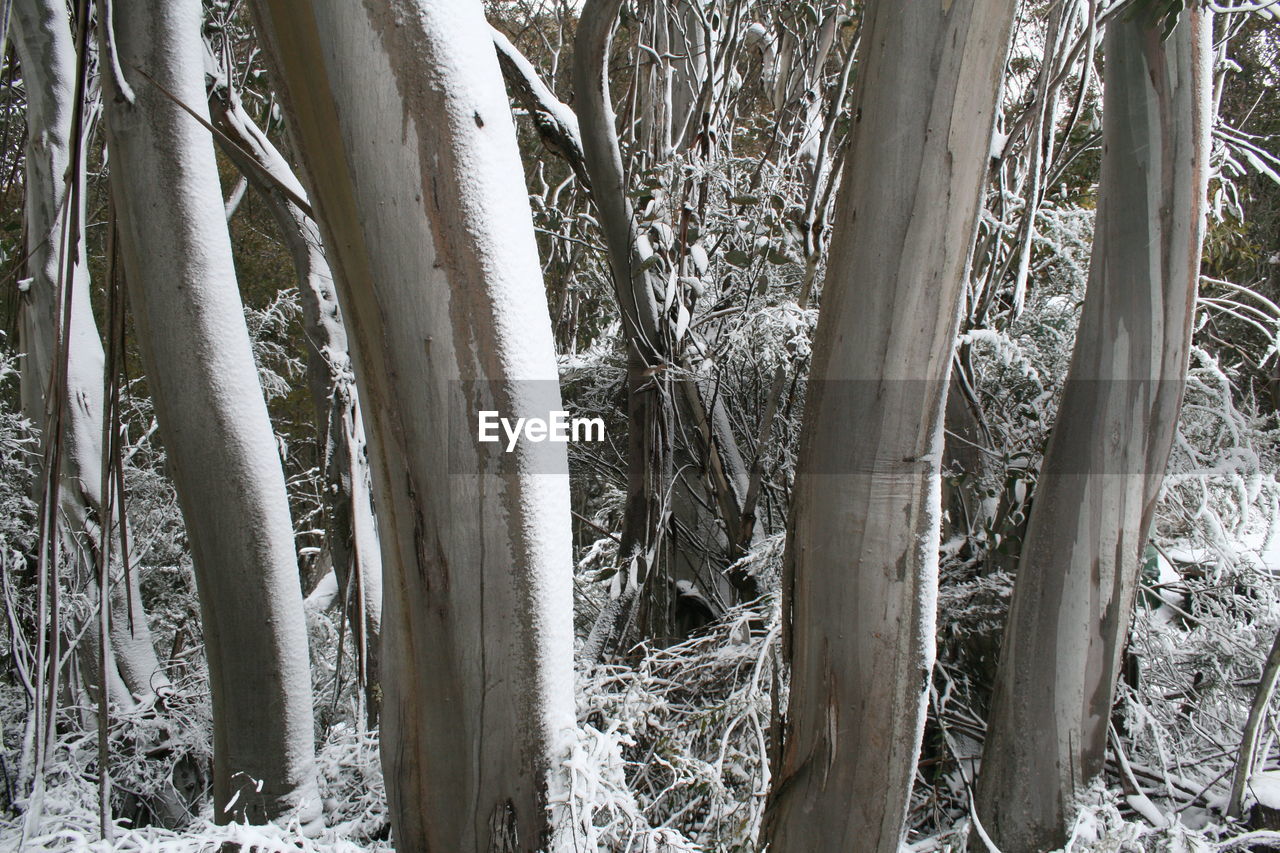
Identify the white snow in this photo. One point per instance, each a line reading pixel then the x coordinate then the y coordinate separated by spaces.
pixel 1265 788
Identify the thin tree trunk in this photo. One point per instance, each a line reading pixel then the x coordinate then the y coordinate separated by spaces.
pixel 221 452
pixel 406 135
pixel 672 424
pixel 861 570
pixel 650 421
pixel 1247 757
pixel 351 529
pixel 42 38
pixel 1078 572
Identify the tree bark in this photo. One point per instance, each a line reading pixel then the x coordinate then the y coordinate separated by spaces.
pixel 861 570
pixel 351 529
pixel 406 137
pixel 650 421
pixel 221 451
pixel 672 424
pixel 1078 572
pixel 42 38
pixel 1247 756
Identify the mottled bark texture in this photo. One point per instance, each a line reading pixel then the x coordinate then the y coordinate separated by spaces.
pixel 1078 573
pixel 409 151
pixel 861 569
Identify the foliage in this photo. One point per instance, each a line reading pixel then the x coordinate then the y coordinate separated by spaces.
pixel 673 744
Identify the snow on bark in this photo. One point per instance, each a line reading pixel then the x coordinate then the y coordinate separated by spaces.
pixel 221 452
pixel 1078 570
pixel 706 500
pixel 861 572
pixel 351 533
pixel 42 38
pixel 410 152
pixel 556 122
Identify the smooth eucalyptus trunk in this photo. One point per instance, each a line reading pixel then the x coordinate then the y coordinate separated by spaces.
pixel 405 132
pixel 43 40
pixel 221 452
pixel 1078 573
pixel 650 417
pixel 676 529
pixel 351 529
pixel 861 570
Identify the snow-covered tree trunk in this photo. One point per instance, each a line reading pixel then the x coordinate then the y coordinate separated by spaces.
pixel 221 452
pixel 693 49
pixel 1078 571
pixel 42 38
pixel 650 420
pixel 406 136
pixel 351 529
pixel 672 424
pixel 861 569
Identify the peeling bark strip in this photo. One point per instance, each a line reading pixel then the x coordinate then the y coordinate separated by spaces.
pixel 1077 577
pixel 439 282
pixel 556 122
pixel 861 568
pixel 221 451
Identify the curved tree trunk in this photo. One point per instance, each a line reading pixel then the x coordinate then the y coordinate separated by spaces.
pixel 406 134
pixel 650 421
pixel 220 449
pixel 42 38
pixel 861 569
pixel 351 529
pixel 670 523
pixel 1077 576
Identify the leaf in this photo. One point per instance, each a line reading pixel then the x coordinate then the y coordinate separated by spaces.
pixel 682 321
pixel 744 199
pixel 738 258
pixel 698 255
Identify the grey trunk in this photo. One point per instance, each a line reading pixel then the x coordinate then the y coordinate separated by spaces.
pixel 221 451
pixel 861 569
pixel 1078 572
pixel 42 38
pixel 351 532
pixel 406 136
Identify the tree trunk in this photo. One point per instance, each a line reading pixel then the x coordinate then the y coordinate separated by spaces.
pixel 406 136
pixel 1102 470
pixel 221 451
pixel 42 38
pixel 670 524
pixel 351 529
pixel 1247 756
pixel 862 559
pixel 650 417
